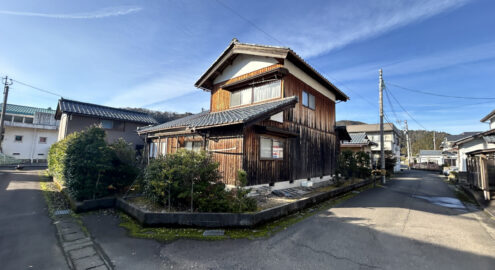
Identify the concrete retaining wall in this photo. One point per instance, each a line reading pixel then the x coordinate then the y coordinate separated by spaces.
pixel 218 220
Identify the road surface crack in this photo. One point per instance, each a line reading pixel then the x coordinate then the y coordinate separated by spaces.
pixel 335 256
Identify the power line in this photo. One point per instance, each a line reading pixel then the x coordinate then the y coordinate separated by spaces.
pixel 407 111
pixel 435 94
pixel 37 88
pixel 390 103
pixel 247 20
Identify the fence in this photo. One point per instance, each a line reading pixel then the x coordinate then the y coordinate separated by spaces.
pixel 8 160
pixel 426 166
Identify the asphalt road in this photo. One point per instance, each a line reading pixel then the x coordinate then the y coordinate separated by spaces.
pixel 27 235
pixel 413 222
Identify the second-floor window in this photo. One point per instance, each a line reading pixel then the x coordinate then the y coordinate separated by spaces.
pixel 308 100
pixel 254 94
pixel 18 138
pixel 42 139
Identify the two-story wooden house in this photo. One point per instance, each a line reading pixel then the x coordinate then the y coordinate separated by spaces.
pixel 271 114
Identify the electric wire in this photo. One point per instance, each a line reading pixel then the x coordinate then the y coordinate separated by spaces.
pixel 37 88
pixel 435 94
pixel 404 109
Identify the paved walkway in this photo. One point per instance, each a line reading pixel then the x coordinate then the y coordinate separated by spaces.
pixel 413 222
pixel 28 239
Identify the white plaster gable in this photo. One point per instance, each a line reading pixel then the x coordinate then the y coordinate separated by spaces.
pixel 243 64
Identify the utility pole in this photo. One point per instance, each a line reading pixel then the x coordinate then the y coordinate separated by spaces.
pixel 6 83
pixel 408 145
pixel 382 149
pixel 434 141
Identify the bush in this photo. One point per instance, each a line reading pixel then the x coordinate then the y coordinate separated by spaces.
pixel 90 168
pixel 190 180
pixel 353 164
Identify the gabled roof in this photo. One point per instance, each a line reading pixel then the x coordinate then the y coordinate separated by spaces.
pixel 475 136
pixel 453 138
pixel 24 110
pixel 235 48
pixel 359 138
pixel 430 152
pixel 372 128
pixel 240 115
pixel 488 116
pixel 94 110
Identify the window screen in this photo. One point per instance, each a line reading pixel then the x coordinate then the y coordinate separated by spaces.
pixel 28 120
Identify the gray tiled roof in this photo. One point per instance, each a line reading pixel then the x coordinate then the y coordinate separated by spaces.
pixel 82 108
pixel 357 138
pixel 227 117
pixel 430 152
pixel 453 138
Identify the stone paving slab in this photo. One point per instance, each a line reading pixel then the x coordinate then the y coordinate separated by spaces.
pixel 79 249
pixel 73 236
pixel 82 252
pixel 88 262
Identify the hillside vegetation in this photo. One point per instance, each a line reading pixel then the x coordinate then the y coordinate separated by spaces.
pixel 422 140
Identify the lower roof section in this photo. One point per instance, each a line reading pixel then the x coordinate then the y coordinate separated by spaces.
pixel 241 115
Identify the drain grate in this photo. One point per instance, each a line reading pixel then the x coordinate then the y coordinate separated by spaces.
pixel 61 212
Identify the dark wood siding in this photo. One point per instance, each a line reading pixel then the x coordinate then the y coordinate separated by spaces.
pixel 312 153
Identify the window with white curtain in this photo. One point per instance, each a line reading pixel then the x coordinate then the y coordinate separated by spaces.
pixel 255 94
pixel 267 91
pixel 193 146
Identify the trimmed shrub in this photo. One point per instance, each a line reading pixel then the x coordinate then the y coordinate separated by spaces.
pixel 90 168
pixel 189 180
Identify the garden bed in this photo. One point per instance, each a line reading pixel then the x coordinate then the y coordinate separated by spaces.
pixel 221 220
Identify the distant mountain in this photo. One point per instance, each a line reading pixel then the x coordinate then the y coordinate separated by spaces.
pixel 160 117
pixel 348 123
pixel 422 140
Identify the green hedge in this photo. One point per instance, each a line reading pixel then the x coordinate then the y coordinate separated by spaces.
pixel 190 180
pixel 89 167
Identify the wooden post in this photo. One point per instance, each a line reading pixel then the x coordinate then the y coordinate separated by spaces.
pixel 484 177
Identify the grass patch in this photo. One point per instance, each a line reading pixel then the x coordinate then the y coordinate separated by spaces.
pixel 56 200
pixel 169 234
pixel 462 196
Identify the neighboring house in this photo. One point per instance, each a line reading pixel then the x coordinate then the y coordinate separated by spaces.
pixel 271 114
pixel 490 118
pixel 480 141
pixel 391 139
pixel 118 123
pixel 29 132
pixel 359 142
pixel 448 141
pixel 431 156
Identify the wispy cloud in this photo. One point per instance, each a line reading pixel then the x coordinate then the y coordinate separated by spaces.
pixel 336 26
pixel 154 92
pixel 420 63
pixel 98 14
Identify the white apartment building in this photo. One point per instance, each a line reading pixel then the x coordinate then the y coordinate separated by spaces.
pixel 391 136
pixel 29 132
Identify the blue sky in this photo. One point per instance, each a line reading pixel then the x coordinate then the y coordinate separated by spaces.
pixel 150 53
